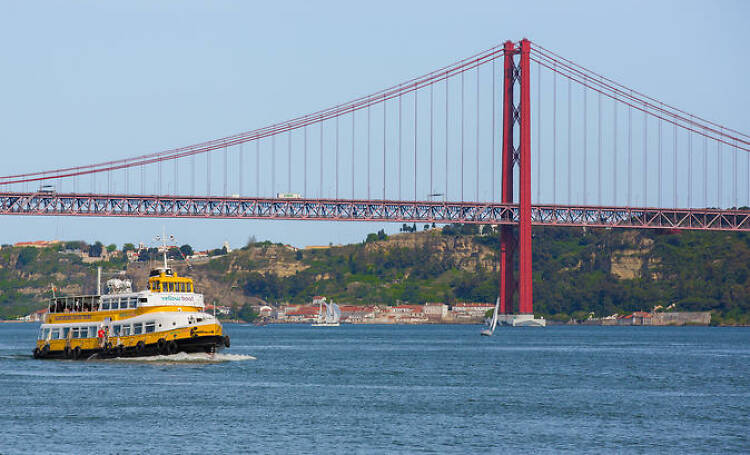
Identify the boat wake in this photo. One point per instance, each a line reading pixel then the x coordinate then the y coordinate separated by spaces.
pixel 182 357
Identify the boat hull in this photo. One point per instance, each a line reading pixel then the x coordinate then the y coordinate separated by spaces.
pixel 210 343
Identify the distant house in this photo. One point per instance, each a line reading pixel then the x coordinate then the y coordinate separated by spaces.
pixel 471 310
pixel 636 318
pixel 400 311
pixel 436 311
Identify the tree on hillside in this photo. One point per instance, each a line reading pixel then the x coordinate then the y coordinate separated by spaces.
pixel 95 250
pixel 128 247
pixel 186 250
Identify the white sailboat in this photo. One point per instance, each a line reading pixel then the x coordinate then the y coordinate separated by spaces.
pixel 330 317
pixel 489 331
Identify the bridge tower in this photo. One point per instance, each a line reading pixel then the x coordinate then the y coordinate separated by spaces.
pixel 516 116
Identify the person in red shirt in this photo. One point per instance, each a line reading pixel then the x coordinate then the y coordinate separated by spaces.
pixel 100 334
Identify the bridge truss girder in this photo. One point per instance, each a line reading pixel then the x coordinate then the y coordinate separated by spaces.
pixel 95 205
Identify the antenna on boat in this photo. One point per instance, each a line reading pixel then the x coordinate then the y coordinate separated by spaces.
pixel 164 247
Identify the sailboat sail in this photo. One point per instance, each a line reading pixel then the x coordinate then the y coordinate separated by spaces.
pixel 494 315
pixel 489 331
pixel 333 313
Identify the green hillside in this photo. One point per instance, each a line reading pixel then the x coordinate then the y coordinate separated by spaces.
pixel 576 271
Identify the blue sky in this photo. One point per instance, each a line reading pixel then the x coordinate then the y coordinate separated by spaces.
pixel 91 81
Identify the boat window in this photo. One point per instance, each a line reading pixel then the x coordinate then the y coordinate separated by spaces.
pixel 92 331
pixel 66 331
pixel 137 328
pixel 46 333
pixel 75 332
pixel 55 334
pixel 116 330
pixel 123 303
pixel 105 305
pixel 150 326
pixel 41 334
pixel 191 288
pixel 133 302
pixel 125 330
pixel 143 299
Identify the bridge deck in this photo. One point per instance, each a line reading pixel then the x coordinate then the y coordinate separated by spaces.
pixel 101 205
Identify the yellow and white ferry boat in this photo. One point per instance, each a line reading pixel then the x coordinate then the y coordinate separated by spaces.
pixel 166 318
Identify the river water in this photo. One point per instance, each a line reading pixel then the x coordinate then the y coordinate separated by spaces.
pixel 383 389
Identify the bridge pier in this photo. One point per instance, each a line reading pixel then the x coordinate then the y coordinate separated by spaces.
pixel 521 155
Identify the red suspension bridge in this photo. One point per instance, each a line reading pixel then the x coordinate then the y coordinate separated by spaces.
pixel 515 136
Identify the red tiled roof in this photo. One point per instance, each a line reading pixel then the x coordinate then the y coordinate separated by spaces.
pixel 410 307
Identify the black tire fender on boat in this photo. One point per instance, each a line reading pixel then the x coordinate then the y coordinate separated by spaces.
pixel 160 344
pixel 193 332
pixel 172 347
pixel 76 353
pixel 139 347
pixel 36 353
pixel 68 352
pixel 226 341
pixel 45 350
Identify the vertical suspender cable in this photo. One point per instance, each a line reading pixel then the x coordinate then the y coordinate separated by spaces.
pixel 719 172
pixel 554 133
pixel 539 132
pixel 462 136
pixel 476 177
pixel 368 152
pixel 192 173
pixel 353 147
pixel 225 170
pixel 494 126
pixel 644 163
pixel 289 161
pixel 384 148
pixel 257 167
pixel 734 176
pixel 241 168
pixel 705 169
pixel 208 173
pixel 273 166
pixel 614 154
pixel 659 167
pixel 674 168
pixel 630 153
pixel 416 124
pixel 320 191
pixel 304 161
pixel 432 99
pixel 599 159
pixel 445 190
pixel 690 167
pixel 400 141
pixel 337 157
pixel 570 140
pixel 176 176
pixel 585 144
